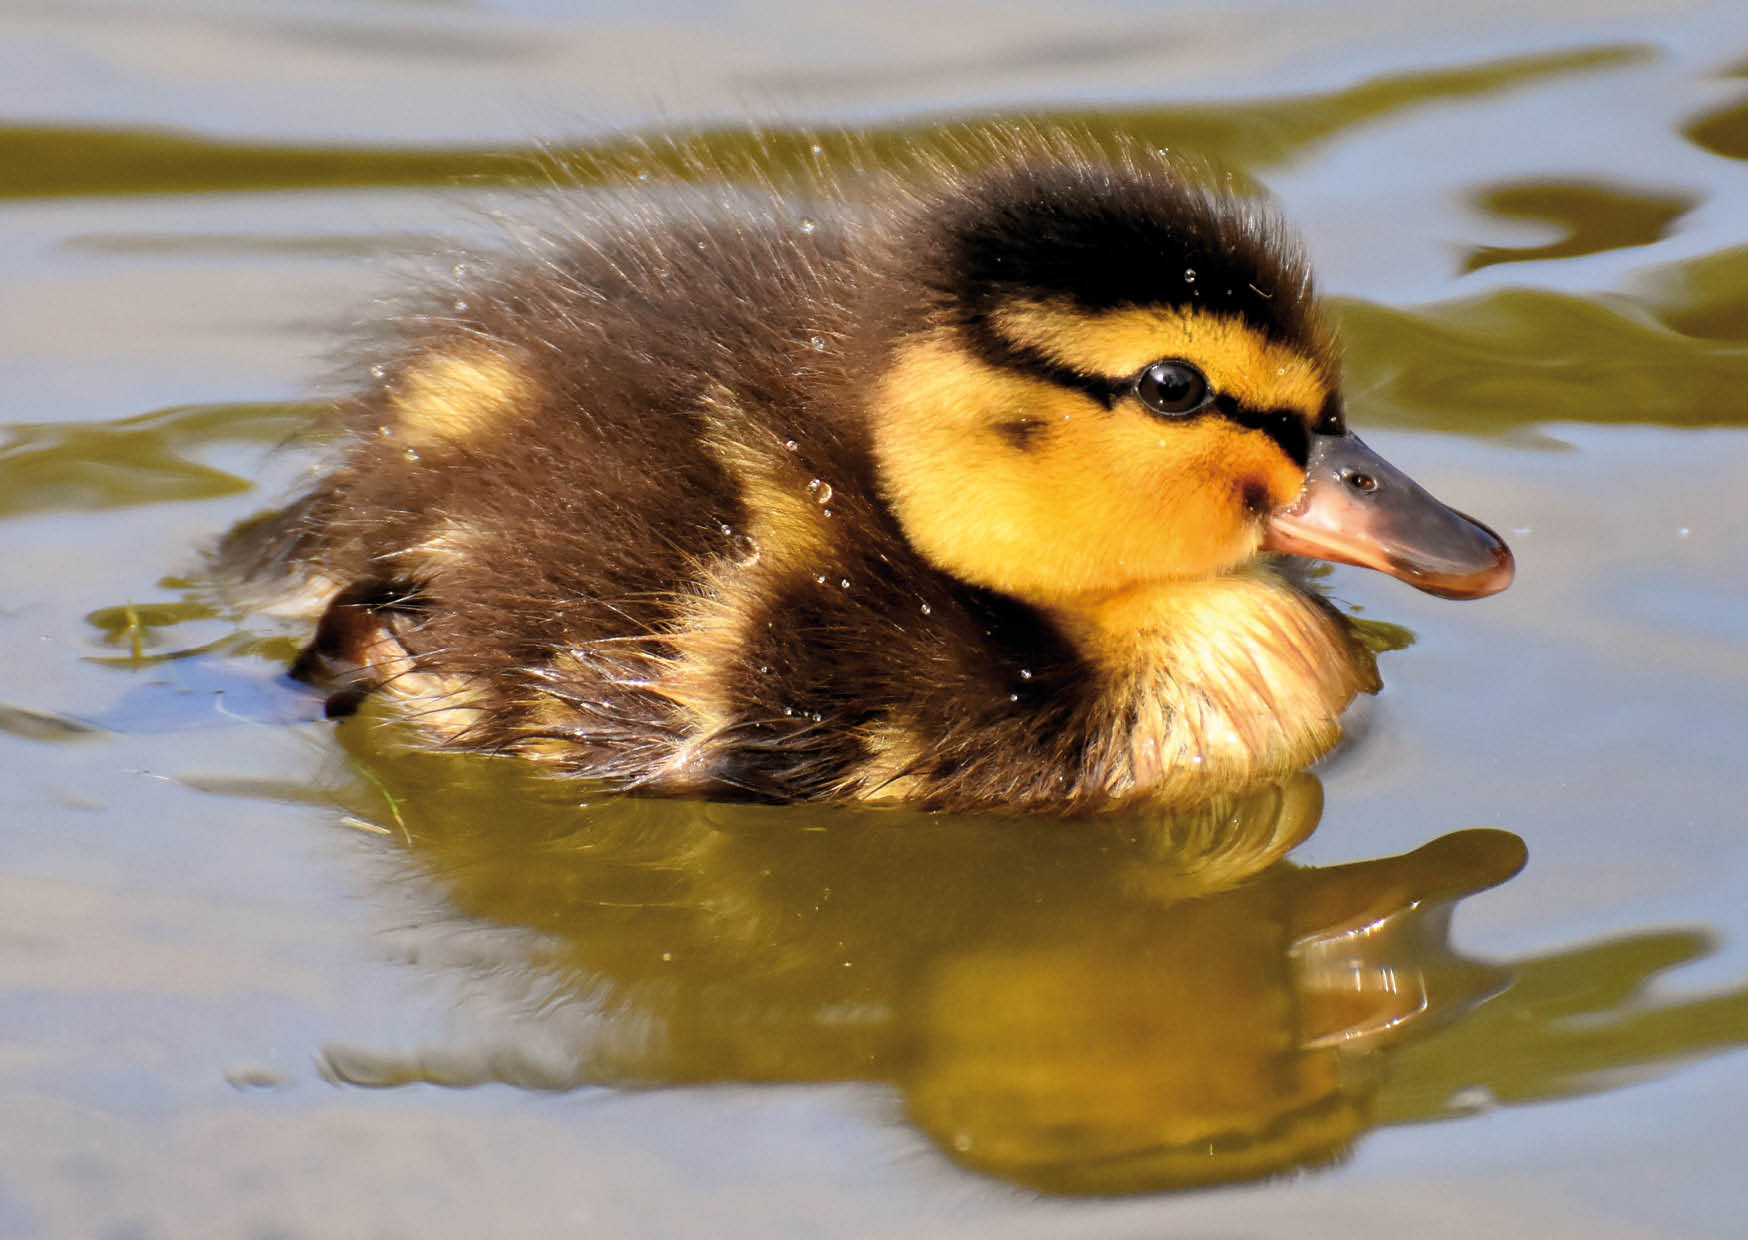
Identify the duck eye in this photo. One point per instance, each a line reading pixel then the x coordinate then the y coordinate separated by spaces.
pixel 1172 388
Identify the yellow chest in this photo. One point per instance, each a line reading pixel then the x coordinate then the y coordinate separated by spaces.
pixel 1216 684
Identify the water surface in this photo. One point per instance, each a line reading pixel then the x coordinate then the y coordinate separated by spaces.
pixel 239 946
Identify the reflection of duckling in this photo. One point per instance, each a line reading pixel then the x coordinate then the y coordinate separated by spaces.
pixel 959 501
pixel 1154 1000
pixel 1214 1039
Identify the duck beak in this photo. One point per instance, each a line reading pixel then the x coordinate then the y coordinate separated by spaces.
pixel 1357 508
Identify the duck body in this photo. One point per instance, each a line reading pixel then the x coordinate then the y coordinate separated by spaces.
pixel 920 501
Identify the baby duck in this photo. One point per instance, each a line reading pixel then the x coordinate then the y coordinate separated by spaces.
pixel 961 499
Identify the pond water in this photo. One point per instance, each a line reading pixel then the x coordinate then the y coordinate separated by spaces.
pixel 1486 971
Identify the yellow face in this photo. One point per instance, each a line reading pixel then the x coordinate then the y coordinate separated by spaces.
pixel 1037 488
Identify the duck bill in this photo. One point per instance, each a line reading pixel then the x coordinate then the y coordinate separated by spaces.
pixel 1357 508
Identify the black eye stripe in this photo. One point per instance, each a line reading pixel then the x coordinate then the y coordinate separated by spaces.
pixel 1332 419
pixel 1285 426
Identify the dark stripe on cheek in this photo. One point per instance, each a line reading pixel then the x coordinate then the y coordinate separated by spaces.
pixel 1022 434
pixel 1285 426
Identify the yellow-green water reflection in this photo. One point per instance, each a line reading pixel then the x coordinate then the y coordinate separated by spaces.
pixel 1114 1005
pixel 148 458
pixel 1109 1005
pixel 64 161
pixel 1592 216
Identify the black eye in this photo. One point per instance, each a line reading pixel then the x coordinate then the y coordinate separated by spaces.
pixel 1172 388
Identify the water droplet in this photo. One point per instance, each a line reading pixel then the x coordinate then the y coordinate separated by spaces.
pixel 791 444
pixel 1189 275
pixel 643 174
pixel 818 343
pixel 1683 532
pixel 459 271
pixel 927 610
pixel 412 454
pixel 667 956
pixel 726 528
pixel 789 711
pixel 460 305
pixel 825 512
pixel 703 245
pixel 764 669
pixel 1025 673
pixel 816 148
pixel 378 371
pixel 817 717
pixel 1013 697
pixel 387 432
pixel 819 578
pixel 843 583
pixel 807 224
pixel 820 490
pixel 746 550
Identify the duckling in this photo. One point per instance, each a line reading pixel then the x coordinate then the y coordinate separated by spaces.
pixel 962 491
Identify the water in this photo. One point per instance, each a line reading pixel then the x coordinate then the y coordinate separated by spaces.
pixel 220 914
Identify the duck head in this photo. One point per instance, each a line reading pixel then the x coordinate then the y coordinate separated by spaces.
pixel 1110 377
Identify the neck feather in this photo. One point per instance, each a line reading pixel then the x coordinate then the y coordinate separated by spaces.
pixel 1215 684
